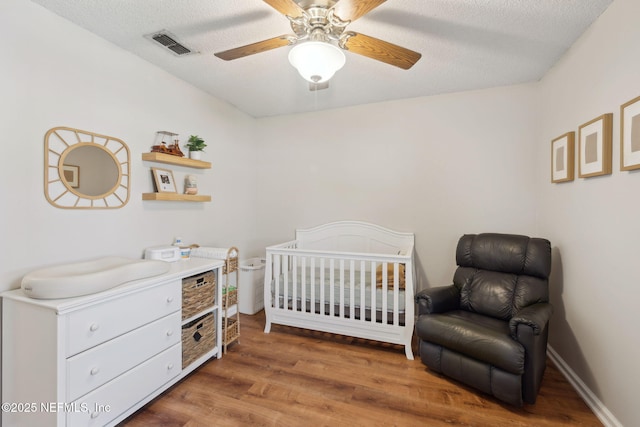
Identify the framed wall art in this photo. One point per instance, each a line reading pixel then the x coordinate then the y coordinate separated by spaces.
pixel 594 149
pixel 164 180
pixel 563 158
pixel 630 135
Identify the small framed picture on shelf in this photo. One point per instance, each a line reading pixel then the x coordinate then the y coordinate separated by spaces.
pixel 164 181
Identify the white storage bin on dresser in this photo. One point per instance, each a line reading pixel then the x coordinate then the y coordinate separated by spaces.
pixel 96 359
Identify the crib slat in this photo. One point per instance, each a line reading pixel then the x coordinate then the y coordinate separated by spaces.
pixel 396 292
pixel 373 293
pixel 294 282
pixel 341 296
pixel 352 290
pixel 285 279
pixel 312 301
pixel 363 286
pixel 332 290
pixel 385 288
pixel 276 280
pixel 322 292
pixel 303 284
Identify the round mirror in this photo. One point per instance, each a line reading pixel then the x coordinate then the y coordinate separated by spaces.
pixel 89 170
pixel 85 170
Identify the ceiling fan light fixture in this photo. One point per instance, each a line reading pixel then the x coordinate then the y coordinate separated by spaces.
pixel 316 61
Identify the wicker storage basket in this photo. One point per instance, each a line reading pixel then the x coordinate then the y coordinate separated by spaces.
pixel 198 338
pixel 229 296
pixel 232 332
pixel 198 293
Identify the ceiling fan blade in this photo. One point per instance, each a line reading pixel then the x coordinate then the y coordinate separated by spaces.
pixel 381 51
pixel 350 10
pixel 286 7
pixel 254 48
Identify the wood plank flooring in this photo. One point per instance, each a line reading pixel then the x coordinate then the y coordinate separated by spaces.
pixel 295 377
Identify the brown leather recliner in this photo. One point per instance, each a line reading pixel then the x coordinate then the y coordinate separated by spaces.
pixel 489 328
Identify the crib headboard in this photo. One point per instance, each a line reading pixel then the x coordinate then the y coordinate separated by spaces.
pixel 355 236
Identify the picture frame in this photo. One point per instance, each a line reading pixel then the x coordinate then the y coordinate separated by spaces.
pixel 71 174
pixel 594 146
pixel 630 135
pixel 164 181
pixel 563 158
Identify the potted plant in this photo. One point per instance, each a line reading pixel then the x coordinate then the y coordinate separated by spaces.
pixel 196 146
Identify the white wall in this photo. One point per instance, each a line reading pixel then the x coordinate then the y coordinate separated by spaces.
pixel 593 223
pixel 439 166
pixel 54 73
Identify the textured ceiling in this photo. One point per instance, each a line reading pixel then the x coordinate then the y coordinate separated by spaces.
pixel 465 45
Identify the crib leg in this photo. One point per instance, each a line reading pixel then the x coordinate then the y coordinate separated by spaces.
pixel 267 324
pixel 408 351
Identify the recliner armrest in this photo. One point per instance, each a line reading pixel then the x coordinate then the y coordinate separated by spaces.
pixel 438 300
pixel 536 316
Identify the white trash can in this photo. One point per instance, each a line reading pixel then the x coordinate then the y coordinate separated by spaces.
pixel 251 288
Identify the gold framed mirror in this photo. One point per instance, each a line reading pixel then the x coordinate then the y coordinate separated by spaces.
pixel 85 170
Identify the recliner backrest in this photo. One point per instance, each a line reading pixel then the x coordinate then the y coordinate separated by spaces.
pixel 498 274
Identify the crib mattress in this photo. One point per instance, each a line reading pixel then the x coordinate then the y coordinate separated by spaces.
pixel 357 293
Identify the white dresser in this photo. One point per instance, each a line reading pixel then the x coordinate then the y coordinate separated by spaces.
pixel 96 359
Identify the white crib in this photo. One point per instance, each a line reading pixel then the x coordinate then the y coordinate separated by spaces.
pixel 331 279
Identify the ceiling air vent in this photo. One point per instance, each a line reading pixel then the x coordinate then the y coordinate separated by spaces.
pixel 170 42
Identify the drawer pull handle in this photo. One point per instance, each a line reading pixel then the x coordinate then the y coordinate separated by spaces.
pixel 94 327
pixel 169 332
pixel 169 300
pixel 95 371
pixel 169 366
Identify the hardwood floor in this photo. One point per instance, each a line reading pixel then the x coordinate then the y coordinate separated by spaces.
pixel 295 377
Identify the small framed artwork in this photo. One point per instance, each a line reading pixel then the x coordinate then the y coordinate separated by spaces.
pixel 630 135
pixel 594 149
pixel 71 174
pixel 562 158
pixel 164 180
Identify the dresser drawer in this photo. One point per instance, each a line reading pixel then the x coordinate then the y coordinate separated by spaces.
pixel 92 368
pixel 99 323
pixel 111 400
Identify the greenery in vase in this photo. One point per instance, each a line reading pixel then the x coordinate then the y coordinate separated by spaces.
pixel 195 143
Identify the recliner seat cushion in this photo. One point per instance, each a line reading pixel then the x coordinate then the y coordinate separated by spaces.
pixel 474 335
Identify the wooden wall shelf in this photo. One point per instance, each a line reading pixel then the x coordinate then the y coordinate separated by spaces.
pixel 175 160
pixel 178 161
pixel 176 197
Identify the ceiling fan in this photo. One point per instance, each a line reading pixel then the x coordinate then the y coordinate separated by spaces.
pixel 320 25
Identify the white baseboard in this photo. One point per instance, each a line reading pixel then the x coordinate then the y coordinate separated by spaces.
pixel 592 401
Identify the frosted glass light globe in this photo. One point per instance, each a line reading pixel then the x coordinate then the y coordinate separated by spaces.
pixel 316 61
